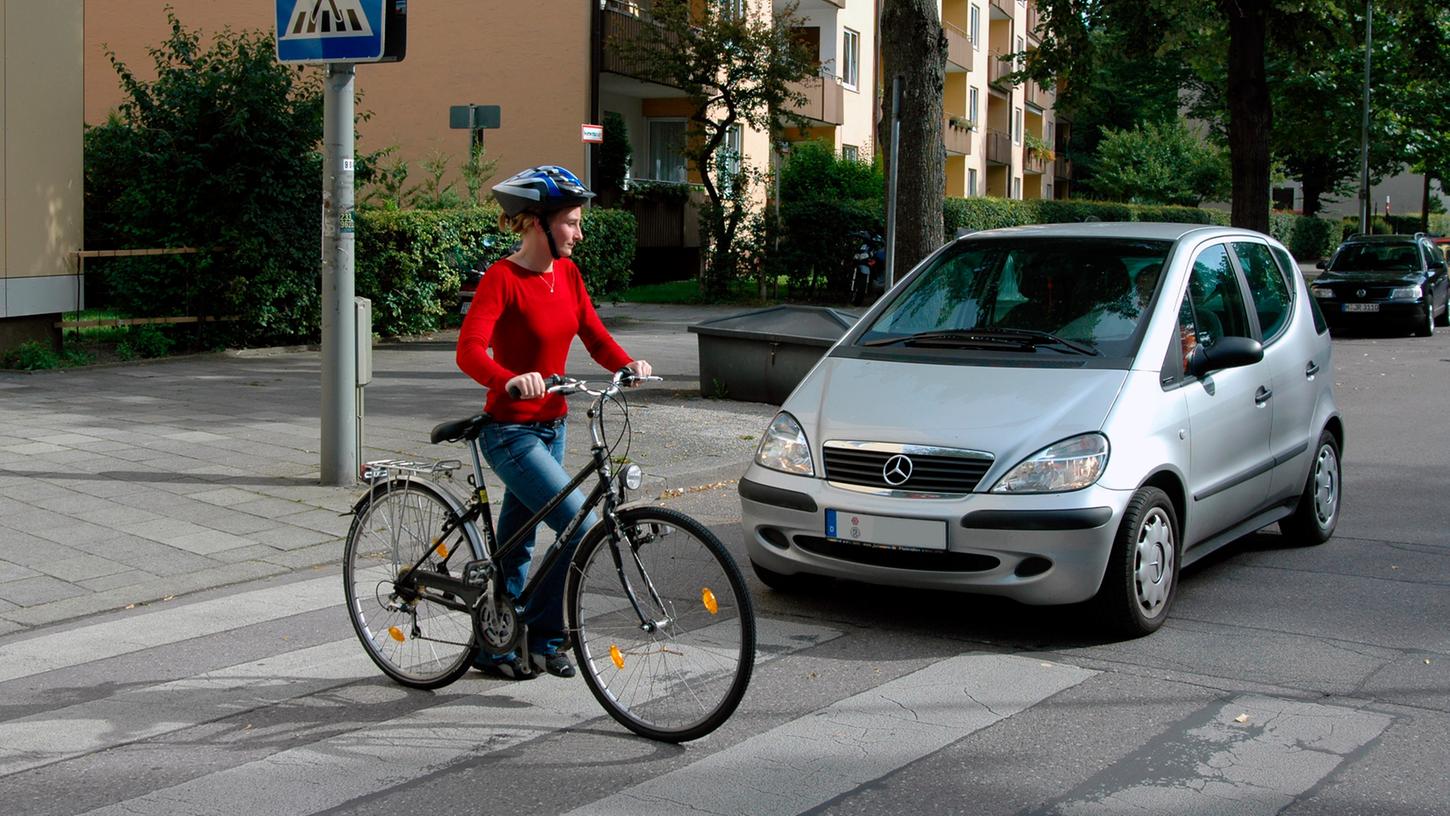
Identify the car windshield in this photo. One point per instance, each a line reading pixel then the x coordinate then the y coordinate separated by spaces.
pixel 1376 258
pixel 1063 296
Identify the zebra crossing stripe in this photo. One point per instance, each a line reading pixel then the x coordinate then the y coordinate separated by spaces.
pixel 1252 757
pixel 337 770
pixel 133 633
pixel 811 760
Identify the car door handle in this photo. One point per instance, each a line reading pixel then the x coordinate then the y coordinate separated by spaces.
pixel 1262 395
pixel 1311 369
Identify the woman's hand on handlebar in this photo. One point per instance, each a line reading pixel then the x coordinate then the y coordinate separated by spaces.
pixel 526 386
pixel 640 369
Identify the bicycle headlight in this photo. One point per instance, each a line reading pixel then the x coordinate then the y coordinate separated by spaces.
pixel 630 478
pixel 1071 464
pixel 784 447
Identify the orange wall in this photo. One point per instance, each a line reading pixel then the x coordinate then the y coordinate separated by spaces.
pixel 531 58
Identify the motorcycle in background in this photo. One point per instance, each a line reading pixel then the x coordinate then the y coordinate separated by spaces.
pixel 868 280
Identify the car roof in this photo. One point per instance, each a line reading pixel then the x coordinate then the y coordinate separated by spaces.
pixel 1382 239
pixel 1140 230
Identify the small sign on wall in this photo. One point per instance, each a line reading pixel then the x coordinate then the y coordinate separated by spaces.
pixel 591 134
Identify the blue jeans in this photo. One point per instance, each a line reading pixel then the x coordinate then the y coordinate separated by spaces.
pixel 529 458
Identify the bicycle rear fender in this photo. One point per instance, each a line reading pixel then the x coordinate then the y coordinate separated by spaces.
pixel 470 531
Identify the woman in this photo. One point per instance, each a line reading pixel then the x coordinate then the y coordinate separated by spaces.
pixel 528 309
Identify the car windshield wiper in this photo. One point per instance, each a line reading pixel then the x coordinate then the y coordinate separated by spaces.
pixel 989 338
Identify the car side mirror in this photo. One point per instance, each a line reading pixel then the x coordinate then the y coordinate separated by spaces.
pixel 1228 352
pixel 1322 265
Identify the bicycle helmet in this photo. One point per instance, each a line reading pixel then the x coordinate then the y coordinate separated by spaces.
pixel 540 190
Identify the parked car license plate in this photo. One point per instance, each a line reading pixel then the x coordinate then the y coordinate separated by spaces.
pixel 1361 307
pixel 922 534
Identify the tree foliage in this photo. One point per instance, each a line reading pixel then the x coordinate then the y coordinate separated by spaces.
pixel 1159 164
pixel 736 71
pixel 219 152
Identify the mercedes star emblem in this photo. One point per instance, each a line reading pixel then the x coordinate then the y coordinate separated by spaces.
pixel 896 470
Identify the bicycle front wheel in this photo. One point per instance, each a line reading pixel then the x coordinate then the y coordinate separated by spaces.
pixel 412 638
pixel 679 672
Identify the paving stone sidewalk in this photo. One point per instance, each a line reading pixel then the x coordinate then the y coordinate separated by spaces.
pixel 138 483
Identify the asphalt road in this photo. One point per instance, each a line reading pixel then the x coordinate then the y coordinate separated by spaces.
pixel 1288 681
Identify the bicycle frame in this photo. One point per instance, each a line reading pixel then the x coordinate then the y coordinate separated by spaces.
pixel 469 592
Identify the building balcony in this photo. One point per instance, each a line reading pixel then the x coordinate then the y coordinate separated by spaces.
pixel 959 47
pixel 1062 169
pixel 624 22
pixel 1035 163
pixel 997 70
pixel 999 147
pixel 956 135
pixel 1001 8
pixel 825 100
pixel 808 5
pixel 1037 95
pixel 1033 20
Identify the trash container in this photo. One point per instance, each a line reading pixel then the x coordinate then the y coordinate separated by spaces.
pixel 761 356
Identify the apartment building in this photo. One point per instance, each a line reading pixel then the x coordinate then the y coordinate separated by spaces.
pixel 40 166
pixel 1001 139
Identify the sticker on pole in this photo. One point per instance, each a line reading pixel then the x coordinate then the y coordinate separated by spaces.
pixel 329 30
pixel 592 134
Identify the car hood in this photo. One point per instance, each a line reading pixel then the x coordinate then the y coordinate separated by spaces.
pixel 1383 278
pixel 1009 412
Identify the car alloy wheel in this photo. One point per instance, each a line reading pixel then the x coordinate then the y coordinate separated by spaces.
pixel 1325 484
pixel 1317 514
pixel 1141 579
pixel 1154 562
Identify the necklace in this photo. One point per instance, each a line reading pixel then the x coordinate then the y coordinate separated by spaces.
pixel 550 282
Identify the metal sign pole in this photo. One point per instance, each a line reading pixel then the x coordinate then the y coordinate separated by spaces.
pixel 339 329
pixel 891 186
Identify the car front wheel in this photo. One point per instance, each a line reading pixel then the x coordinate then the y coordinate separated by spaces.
pixel 1315 518
pixel 1425 327
pixel 1142 575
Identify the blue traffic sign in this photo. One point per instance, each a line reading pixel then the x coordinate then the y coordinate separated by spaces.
pixel 330 30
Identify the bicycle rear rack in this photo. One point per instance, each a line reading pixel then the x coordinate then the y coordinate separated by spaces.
pixel 407 468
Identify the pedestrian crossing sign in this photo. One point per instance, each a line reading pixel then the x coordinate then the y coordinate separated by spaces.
pixel 330 30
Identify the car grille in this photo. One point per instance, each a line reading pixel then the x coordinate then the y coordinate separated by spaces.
pixel 1350 291
pixel 940 471
pixel 932 560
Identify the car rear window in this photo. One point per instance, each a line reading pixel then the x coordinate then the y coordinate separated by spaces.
pixel 1092 292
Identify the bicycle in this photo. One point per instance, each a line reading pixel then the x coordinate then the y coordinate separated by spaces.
pixel 660 620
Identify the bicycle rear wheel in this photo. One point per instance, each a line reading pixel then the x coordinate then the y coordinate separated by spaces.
pixel 414 640
pixel 682 680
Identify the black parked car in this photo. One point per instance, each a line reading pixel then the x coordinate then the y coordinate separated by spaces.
pixel 1385 279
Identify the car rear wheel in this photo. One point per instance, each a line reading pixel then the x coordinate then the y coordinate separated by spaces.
pixel 1141 580
pixel 1444 319
pixel 1317 514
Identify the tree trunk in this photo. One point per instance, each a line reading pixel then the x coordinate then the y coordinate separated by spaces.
pixel 914 47
pixel 1250 114
pixel 1313 183
pixel 1425 205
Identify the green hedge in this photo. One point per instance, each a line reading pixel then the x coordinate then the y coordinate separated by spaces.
pixel 819 240
pixel 991 213
pixel 1395 224
pixel 1307 237
pixel 409 262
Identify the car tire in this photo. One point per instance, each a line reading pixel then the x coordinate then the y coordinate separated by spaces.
pixel 1426 325
pixel 1444 319
pixel 779 581
pixel 1317 513
pixel 1141 579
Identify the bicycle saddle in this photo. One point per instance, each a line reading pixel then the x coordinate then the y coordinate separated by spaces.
pixel 459 429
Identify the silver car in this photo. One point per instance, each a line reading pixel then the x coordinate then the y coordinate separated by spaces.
pixel 1057 414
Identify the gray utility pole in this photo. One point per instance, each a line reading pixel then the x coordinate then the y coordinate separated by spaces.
pixel 339 345
pixel 891 181
pixel 1364 202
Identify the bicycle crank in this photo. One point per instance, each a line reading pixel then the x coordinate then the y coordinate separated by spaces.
pixel 496 624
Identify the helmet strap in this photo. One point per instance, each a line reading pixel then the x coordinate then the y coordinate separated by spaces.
pixel 553 247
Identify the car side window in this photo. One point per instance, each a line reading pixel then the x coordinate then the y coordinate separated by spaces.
pixel 1218 303
pixel 1290 268
pixel 1267 287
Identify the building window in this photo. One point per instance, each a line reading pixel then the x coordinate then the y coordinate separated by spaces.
pixel 1021 54
pixel 732 8
pixel 971 181
pixel 727 159
pixel 1017 125
pixel 1016 188
pixel 850 153
pixel 1049 192
pixel 974 27
pixel 972 105
pixel 850 58
pixel 667 149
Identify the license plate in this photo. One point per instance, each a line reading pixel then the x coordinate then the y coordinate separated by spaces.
pixel 1361 307
pixel 886 531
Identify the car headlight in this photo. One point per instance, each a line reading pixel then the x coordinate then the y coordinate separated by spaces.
pixel 1071 464
pixel 1405 293
pixel 784 447
pixel 1322 292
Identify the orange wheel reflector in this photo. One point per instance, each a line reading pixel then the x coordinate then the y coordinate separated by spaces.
pixel 617 656
pixel 396 633
pixel 441 549
pixel 708 599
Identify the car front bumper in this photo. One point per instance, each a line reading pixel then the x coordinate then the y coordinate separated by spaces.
pixel 1037 549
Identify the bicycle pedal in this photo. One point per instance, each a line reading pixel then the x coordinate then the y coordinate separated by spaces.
pixel 477 573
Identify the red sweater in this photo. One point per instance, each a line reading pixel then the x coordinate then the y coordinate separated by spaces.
pixel 530 328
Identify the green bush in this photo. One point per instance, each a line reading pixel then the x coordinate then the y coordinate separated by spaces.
pixel 985 213
pixel 410 262
pixel 218 152
pixel 1308 238
pixel 1395 224
pixel 34 355
pixel 828 205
